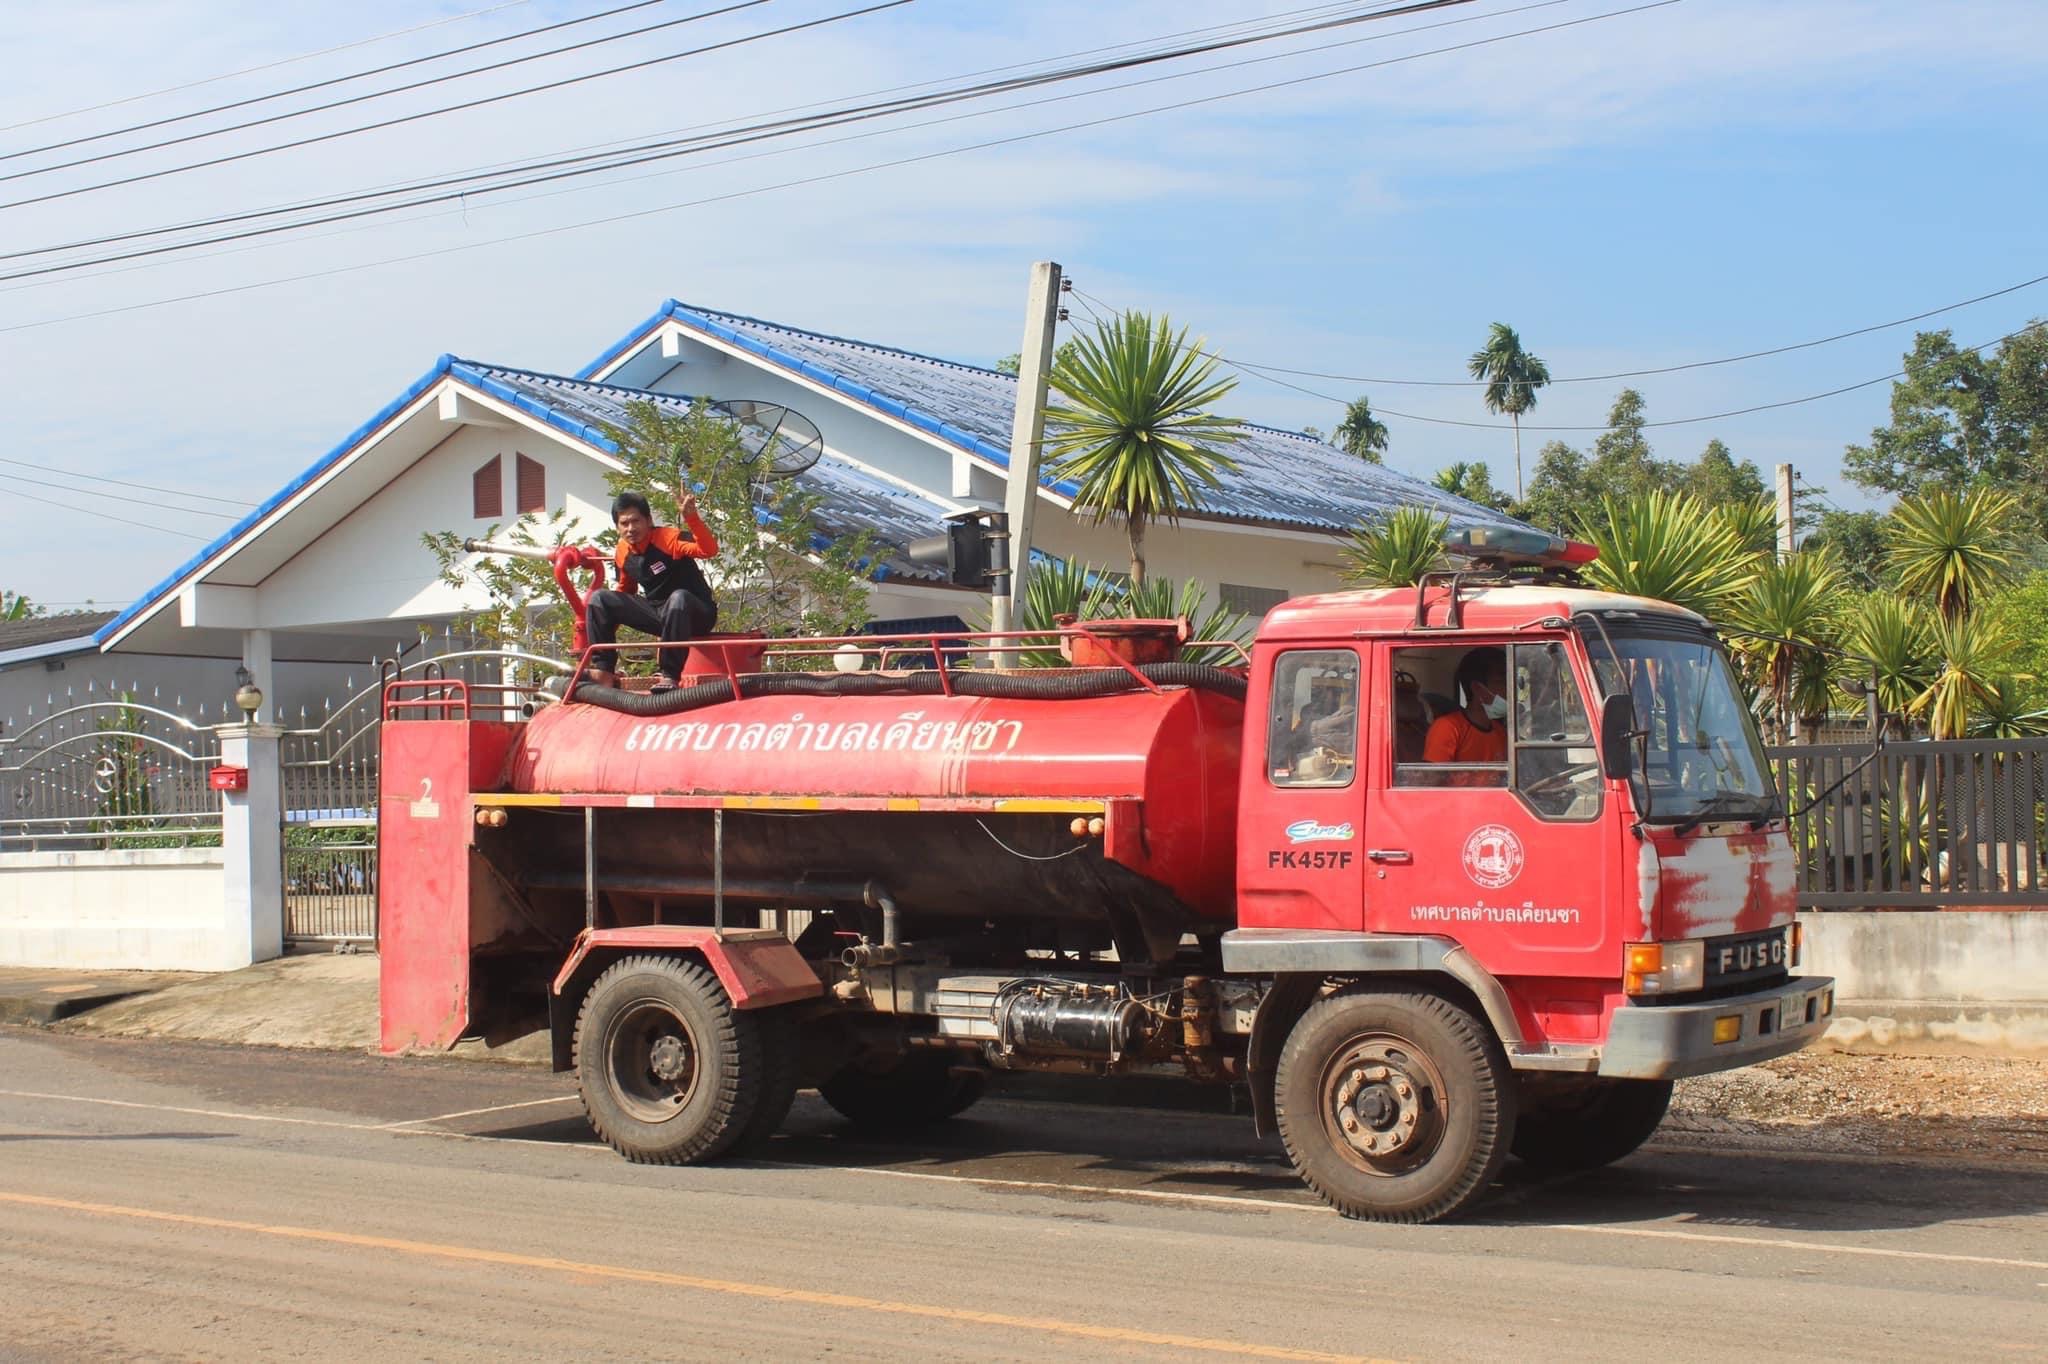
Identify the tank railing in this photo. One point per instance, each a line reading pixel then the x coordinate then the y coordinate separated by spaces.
pixel 444 698
pixel 937 646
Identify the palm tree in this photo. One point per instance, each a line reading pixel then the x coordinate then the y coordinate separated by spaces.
pixel 1951 548
pixel 1668 547
pixel 1398 551
pixel 1512 376
pixel 1133 431
pixel 1755 520
pixel 1361 433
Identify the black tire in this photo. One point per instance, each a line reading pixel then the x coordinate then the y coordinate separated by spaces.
pixel 669 1071
pixel 1413 1076
pixel 923 1088
pixel 781 1060
pixel 1590 1125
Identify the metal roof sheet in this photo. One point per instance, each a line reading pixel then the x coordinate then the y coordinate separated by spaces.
pixel 1283 478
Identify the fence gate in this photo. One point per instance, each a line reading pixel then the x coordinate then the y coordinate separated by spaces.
pixel 107 770
pixel 330 793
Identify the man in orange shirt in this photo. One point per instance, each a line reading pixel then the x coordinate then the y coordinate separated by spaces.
pixel 661 590
pixel 1478 732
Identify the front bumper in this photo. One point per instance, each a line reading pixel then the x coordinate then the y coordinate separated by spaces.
pixel 1669 1041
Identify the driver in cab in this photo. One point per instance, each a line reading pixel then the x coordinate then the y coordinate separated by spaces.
pixel 1477 731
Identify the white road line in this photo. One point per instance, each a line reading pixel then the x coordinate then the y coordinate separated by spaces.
pixel 1051 1186
pixel 193 1112
pixel 1783 1244
pixel 477 1112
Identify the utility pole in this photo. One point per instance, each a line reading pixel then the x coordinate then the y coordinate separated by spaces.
pixel 1786 537
pixel 1027 434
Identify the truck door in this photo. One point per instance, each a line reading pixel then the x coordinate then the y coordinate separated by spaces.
pixel 1302 805
pixel 1496 829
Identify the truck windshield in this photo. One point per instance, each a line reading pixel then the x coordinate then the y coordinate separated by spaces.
pixel 1704 758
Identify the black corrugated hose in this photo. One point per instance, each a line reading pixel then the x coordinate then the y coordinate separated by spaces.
pixel 1050 685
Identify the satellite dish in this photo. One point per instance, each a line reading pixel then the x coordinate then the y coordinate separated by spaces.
pixel 780 442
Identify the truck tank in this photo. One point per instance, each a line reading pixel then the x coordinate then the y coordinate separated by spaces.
pixel 965 807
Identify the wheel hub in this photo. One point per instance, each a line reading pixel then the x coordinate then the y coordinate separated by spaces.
pixel 1384 1105
pixel 669 1059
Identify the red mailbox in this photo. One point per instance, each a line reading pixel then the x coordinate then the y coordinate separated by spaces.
pixel 225 778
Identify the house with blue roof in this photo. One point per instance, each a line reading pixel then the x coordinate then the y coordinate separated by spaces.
pixel 333 560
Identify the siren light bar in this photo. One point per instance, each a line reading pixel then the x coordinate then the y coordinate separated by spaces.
pixel 1518 545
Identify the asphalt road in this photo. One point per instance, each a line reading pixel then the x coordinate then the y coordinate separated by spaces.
pixel 172 1201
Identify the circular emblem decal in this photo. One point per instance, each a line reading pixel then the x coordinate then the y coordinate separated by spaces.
pixel 1493 856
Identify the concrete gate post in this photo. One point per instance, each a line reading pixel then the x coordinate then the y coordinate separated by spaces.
pixel 252 839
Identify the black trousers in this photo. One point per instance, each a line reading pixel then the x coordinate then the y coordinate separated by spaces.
pixel 682 615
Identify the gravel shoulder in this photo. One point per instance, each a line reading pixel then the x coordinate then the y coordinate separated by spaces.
pixel 1969 1107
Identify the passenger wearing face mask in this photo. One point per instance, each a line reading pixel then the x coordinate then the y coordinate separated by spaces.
pixel 1478 733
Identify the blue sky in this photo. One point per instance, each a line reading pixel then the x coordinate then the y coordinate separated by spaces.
pixel 1695 180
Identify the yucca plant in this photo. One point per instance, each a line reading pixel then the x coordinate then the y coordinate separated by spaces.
pixel 1067 587
pixel 1952 548
pixel 2007 714
pixel 1784 623
pixel 1398 551
pixel 1888 644
pixel 1969 658
pixel 1754 521
pixel 1132 428
pixel 1668 547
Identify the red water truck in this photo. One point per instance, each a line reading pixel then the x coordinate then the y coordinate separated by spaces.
pixel 892 882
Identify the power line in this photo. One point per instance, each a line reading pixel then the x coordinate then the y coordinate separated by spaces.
pixel 477 103
pixel 118 497
pixel 343 80
pixel 627 147
pixel 747 134
pixel 1261 372
pixel 828 176
pixel 263 66
pixel 100 515
pixel 1675 369
pixel 143 487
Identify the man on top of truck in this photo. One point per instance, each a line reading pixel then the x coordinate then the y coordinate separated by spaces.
pixel 661 590
pixel 1477 732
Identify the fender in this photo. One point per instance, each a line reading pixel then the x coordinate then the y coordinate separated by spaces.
pixel 759 968
pixel 1327 952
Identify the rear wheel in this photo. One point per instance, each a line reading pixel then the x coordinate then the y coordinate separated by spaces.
pixel 1589 1125
pixel 1394 1107
pixel 924 1087
pixel 780 1062
pixel 669 1071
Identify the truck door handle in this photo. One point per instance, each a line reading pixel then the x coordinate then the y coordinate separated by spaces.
pixel 1390 855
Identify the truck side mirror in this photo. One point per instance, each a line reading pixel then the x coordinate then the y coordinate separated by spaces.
pixel 1617 737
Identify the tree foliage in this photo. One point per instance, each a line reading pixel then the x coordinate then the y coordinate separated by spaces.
pixel 1570 486
pixel 1068 587
pixel 1961 418
pixel 1668 547
pixel 1472 481
pixel 1511 376
pixel 1133 429
pixel 15 606
pixel 1952 548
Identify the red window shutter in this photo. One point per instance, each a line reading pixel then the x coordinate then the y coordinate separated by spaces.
pixel 487 491
pixel 533 485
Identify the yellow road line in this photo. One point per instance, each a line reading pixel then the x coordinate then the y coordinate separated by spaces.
pixel 1118 1335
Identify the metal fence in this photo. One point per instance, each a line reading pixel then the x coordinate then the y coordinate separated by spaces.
pixel 1954 824
pixel 107 770
pixel 329 764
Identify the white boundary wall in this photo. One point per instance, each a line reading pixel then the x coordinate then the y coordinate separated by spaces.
pixel 1969 980
pixel 148 909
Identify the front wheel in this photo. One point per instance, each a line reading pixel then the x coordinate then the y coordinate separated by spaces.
pixel 1394 1107
pixel 1590 1125
pixel 669 1071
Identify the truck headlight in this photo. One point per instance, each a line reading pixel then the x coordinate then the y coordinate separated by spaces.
pixel 1665 968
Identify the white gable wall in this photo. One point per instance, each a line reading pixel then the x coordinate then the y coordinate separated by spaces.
pixel 372 566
